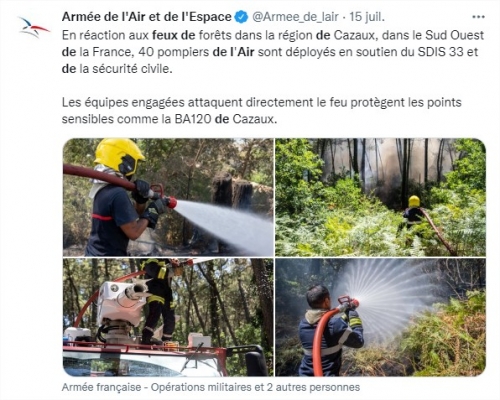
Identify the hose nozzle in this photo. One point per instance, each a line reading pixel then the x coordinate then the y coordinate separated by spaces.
pixel 348 302
pixel 170 202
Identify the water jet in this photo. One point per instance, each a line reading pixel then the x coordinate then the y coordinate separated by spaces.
pixel 392 292
pixel 243 230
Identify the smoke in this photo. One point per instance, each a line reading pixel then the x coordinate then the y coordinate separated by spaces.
pixel 382 172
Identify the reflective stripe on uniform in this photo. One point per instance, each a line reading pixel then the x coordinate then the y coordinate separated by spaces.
pixel 154 297
pixel 345 335
pixel 162 273
pixel 149 260
pixel 102 217
pixel 356 321
pixel 331 350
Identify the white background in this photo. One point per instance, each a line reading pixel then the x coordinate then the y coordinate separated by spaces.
pixel 32 138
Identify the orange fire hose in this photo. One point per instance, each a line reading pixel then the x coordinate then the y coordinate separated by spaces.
pixel 84 172
pixel 446 244
pixel 318 335
pixel 91 173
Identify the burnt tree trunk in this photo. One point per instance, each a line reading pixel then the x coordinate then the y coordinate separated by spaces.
pixel 405 174
pixel 399 148
pixel 106 269
pixel 222 195
pixel 188 282
pixel 244 302
pixel 426 163
pixel 265 290
pixel 242 195
pixel 332 153
pixel 350 157
pixel 363 164
pixel 216 303
pixel 355 166
pixel 222 189
pixel 315 266
pixel 189 278
pixel 248 156
pixel 75 297
pixel 214 309
pixel 95 287
pixel 450 151
pixel 133 266
pixel 440 160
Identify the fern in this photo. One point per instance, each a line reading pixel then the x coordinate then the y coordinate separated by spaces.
pixel 451 340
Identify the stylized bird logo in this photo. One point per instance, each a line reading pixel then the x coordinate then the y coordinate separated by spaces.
pixel 32 29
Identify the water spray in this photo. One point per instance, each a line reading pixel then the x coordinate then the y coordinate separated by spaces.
pixel 393 293
pixel 240 229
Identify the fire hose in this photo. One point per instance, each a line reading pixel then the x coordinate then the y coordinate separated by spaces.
pixel 345 302
pixel 446 244
pixel 156 191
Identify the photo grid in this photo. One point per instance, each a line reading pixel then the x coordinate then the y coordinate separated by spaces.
pixel 276 258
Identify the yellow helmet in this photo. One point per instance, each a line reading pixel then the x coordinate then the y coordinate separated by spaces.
pixel 414 201
pixel 122 155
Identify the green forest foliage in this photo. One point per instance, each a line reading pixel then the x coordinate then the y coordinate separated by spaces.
pixel 298 169
pixel 450 341
pixel 314 218
pixel 185 168
pixel 219 298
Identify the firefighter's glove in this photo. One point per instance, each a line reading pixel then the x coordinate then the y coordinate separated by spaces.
pixel 353 318
pixel 141 192
pixel 153 211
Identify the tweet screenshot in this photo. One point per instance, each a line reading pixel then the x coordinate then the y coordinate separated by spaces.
pixel 248 199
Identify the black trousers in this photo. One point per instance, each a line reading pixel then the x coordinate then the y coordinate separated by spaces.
pixel 155 310
pixel 154 313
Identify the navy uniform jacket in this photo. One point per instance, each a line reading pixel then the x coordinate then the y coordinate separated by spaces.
pixel 337 334
pixel 159 277
pixel 413 215
pixel 112 208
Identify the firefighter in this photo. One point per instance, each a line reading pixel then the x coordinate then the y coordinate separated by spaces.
pixel 413 215
pixel 159 274
pixel 115 218
pixel 346 331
